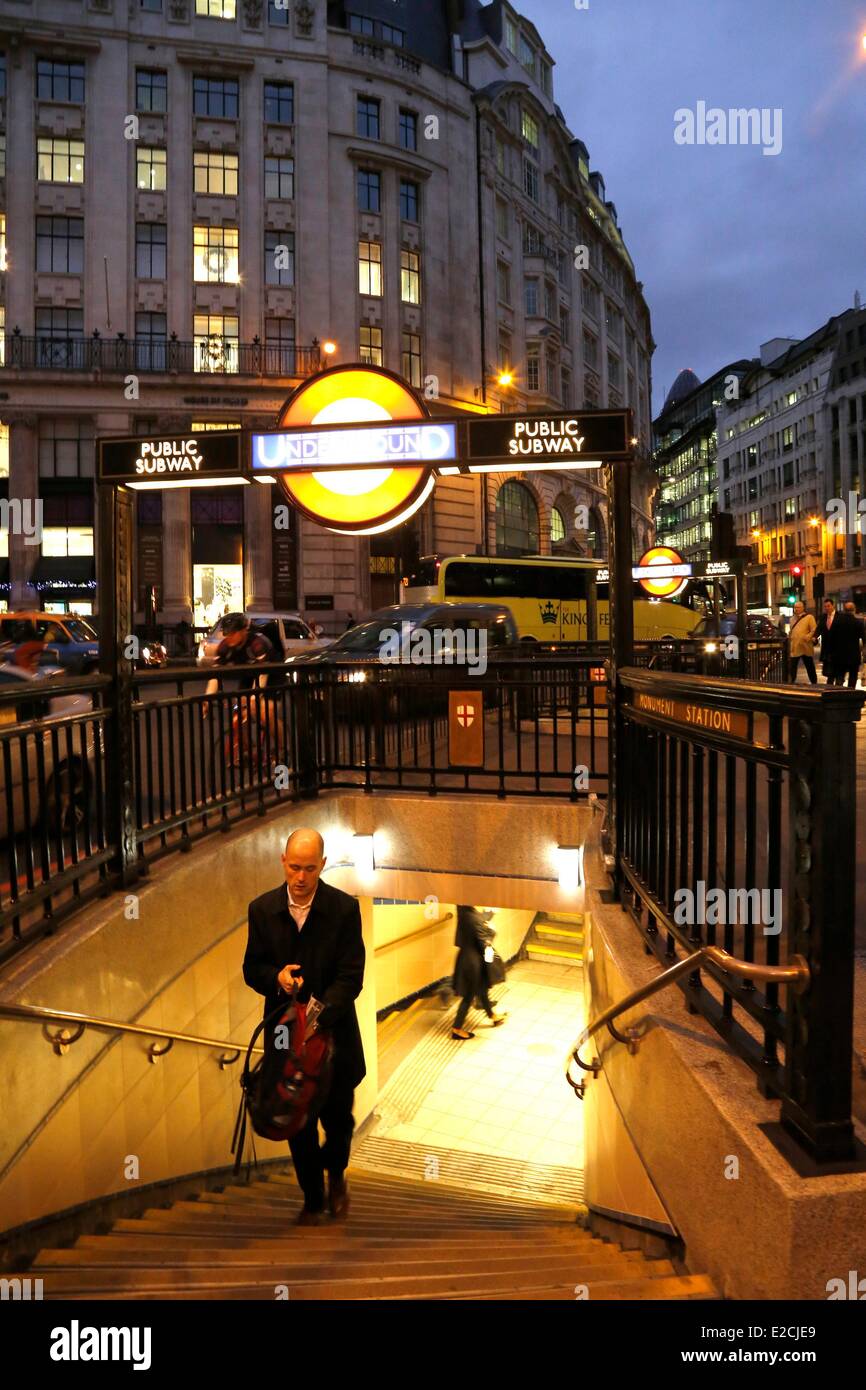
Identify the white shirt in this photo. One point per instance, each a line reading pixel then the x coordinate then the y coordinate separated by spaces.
pixel 300 911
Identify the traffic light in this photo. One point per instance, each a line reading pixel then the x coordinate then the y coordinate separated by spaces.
pixel 791 598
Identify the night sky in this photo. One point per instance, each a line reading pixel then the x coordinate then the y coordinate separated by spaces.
pixel 734 246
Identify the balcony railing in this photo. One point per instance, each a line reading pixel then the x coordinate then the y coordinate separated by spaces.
pixel 210 356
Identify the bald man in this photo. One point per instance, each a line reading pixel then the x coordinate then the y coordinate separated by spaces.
pixel 308 932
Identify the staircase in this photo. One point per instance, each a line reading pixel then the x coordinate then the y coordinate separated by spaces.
pixel 404 1239
pixel 556 939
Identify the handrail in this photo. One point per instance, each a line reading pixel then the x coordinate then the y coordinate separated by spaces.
pixel 795 974
pixel 420 931
pixel 33 1013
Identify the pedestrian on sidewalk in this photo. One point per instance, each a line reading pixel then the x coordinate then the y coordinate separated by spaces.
pixel 802 643
pixel 317 929
pixel 827 637
pixel 475 954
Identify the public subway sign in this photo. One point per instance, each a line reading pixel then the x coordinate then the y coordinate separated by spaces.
pixel 707 718
pixel 178 459
pixel 576 439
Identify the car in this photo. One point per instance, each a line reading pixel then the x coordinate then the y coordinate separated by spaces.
pixel 758 628
pixel 70 641
pixel 62 793
pixel 371 640
pixel 287 631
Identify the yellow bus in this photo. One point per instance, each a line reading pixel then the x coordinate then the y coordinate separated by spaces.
pixel 547 595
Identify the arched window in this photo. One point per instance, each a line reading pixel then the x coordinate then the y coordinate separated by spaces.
pixel 596 537
pixel 557 526
pixel 516 520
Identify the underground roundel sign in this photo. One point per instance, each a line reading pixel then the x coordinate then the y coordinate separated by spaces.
pixel 667 585
pixel 356 501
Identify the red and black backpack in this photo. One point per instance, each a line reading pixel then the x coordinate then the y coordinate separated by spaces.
pixel 288 1086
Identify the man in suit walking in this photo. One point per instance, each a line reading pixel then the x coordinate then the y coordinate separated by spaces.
pixel 308 933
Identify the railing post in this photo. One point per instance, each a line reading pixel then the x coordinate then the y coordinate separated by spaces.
pixel 821 887
pixel 116 613
pixel 621 610
pixel 307 734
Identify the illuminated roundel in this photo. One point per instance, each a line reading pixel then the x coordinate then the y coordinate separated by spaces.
pixel 667 587
pixel 355 501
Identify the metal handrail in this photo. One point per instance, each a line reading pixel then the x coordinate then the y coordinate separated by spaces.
pixel 795 974
pixel 412 935
pixel 61 1042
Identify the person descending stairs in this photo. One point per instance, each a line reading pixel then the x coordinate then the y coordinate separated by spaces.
pixel 405 1239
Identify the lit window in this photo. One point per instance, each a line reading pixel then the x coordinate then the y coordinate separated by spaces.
pixel 3 239
pixel 215 338
pixel 529 129
pixel 279 177
pixel 215 173
pixel 412 358
pixel 215 255
pixel 369 268
pixel 557 525
pixel 150 168
pixel 370 346
pixel 4 446
pixel 67 540
pixel 216 9
pixel 410 277
pixel 60 161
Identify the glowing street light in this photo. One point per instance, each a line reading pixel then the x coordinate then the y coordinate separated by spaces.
pixel 329 347
pixel 505 378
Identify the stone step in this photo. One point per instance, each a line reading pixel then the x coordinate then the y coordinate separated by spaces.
pixel 178 1224
pixel 557 954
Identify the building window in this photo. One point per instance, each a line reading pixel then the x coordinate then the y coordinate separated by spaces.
pixel 564 325
pixel 500 155
pixel 392 35
pixel 552 374
pixel 530 180
pixel 215 338
pixel 409 201
pixel 150 250
pixel 3 250
pixel 153 6
pixel 408 130
pixel 60 161
pixel 360 24
pixel 2 156
pixel 278 12
pixel 557 525
pixel 533 371
pixel 502 218
pixel 59 81
pixel 279 258
pixel 510 35
pixel 279 177
pixel 527 55
pixel 412 358
pixel 369 190
pixel 410 277
pixel 550 301
pixel 589 297
pixel 370 267
pixel 215 255
pixel 150 168
pixel 59 337
pixel 151 90
pixel 565 389
pixel 370 346
pixel 529 129
pixel 530 298
pixel 280 346
pixel 215 96
pixel 517 529
pixel 151 333
pixel 66 449
pixel 279 103
pixel 367 118
pixel 503 282
pixel 215 9
pixel 215 173
pixel 614 374
pixel 546 78
pixel 59 244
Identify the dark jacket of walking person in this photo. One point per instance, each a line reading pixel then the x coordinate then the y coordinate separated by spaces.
pixel 309 933
pixel 847 632
pixel 473 936
pixel 825 635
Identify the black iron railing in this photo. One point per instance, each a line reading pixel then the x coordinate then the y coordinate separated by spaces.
pixel 223 356
pixel 735 827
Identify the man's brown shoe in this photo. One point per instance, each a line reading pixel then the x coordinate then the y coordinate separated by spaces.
pixel 338 1198
pixel 308 1218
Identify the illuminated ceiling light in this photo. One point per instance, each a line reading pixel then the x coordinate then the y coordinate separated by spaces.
pixel 152 483
pixel 570 862
pixel 362 846
pixel 265 478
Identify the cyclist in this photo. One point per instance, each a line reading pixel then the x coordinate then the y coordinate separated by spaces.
pixel 241 646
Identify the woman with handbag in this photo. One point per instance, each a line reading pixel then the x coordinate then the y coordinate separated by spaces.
pixel 475 956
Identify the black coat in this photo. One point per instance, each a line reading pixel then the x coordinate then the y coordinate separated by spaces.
pixel 840 643
pixel 472 936
pixel 330 951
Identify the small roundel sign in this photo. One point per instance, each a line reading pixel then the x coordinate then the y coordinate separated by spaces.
pixel 666 586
